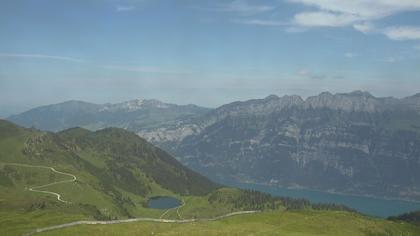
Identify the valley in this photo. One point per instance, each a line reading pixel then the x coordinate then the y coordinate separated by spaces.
pixel 80 167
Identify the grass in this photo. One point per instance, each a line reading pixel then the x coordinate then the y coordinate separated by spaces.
pixel 279 222
pixel 198 207
pixel 20 222
pixel 117 173
pixel 299 223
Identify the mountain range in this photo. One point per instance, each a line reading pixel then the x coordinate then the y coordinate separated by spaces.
pixel 352 143
pixel 133 115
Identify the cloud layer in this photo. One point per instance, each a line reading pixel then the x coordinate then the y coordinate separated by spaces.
pixel 241 7
pixel 403 33
pixel 359 14
pixel 362 10
pixel 40 56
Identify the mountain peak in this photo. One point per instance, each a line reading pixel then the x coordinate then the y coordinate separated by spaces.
pixel 354 101
pixel 325 94
pixel 271 97
pixel 417 95
pixel 136 104
pixel 132 105
pixel 360 93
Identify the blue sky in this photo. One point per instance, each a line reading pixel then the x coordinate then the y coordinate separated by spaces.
pixel 204 52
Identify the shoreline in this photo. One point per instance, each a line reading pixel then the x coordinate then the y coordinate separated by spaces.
pixel 329 192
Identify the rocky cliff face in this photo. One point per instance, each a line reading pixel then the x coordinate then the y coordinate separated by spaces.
pixel 353 143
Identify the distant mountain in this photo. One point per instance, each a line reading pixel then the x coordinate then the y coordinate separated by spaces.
pixel 346 142
pixel 133 115
pixel 350 143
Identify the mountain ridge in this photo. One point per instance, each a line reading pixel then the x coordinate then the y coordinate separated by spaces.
pixel 368 144
pixel 129 114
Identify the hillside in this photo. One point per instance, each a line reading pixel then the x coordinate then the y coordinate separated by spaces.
pixel 116 171
pixel 49 179
pixel 299 223
pixel 410 217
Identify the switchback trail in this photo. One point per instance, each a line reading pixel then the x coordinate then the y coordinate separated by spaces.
pixel 86 222
pixel 34 188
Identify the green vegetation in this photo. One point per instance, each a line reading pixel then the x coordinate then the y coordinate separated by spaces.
pixel 411 217
pixel 19 222
pixel 254 200
pixel 295 223
pixel 117 172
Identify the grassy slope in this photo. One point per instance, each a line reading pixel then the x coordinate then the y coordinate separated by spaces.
pixel 84 191
pixel 297 223
pixel 104 190
pixel 410 217
pixel 116 173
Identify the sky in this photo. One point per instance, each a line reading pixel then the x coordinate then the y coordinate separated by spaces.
pixel 204 52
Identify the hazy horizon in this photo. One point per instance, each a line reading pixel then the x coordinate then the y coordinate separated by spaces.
pixel 5 115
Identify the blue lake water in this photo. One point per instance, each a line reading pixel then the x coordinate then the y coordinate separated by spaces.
pixel 366 205
pixel 163 202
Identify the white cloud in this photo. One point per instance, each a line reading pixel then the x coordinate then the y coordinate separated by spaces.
pixel 359 14
pixel 338 13
pixel 308 74
pixel 39 56
pixel 392 59
pixel 367 9
pixel 364 27
pixel 142 69
pixel 417 47
pixel 124 8
pixel 351 54
pixel 399 33
pixel 403 33
pixel 242 7
pixel 260 22
pixel 320 18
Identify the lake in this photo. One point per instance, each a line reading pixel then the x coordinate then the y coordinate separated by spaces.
pixel 367 205
pixel 163 202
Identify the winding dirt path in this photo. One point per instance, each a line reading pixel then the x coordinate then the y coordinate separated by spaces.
pixel 144 219
pixel 34 188
pixel 85 222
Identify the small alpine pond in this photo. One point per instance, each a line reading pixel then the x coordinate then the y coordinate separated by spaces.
pixel 163 202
